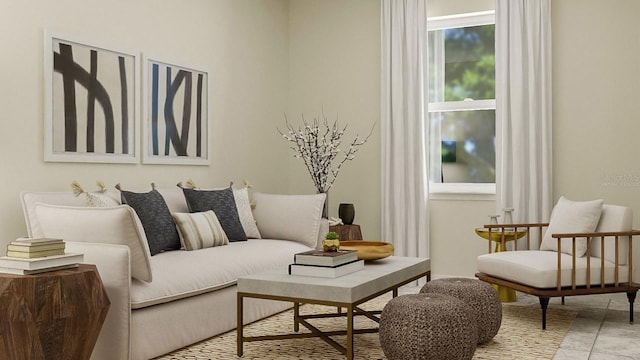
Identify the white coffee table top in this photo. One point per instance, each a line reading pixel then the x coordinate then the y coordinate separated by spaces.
pixel 376 276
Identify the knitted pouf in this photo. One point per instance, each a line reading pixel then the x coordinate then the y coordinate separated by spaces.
pixel 480 296
pixel 427 326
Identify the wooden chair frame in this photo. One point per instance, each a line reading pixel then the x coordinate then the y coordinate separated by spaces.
pixel 544 294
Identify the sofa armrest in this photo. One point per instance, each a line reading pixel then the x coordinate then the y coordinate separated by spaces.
pixel 113 264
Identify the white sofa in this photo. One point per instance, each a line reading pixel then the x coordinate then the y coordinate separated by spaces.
pixel 175 298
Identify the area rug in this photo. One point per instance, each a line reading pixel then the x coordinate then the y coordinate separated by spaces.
pixel 520 337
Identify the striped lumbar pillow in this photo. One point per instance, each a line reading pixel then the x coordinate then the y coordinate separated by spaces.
pixel 200 230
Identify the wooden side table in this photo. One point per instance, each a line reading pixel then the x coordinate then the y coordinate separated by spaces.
pixel 347 232
pixel 51 315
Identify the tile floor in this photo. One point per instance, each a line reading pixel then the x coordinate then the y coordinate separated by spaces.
pixel 601 330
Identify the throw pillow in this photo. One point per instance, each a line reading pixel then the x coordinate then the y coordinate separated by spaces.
pixel 572 217
pixel 223 205
pixel 97 199
pixel 243 205
pixel 113 225
pixel 245 213
pixel 289 217
pixel 155 217
pixel 200 230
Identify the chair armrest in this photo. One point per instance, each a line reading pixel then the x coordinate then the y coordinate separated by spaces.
pixel 113 264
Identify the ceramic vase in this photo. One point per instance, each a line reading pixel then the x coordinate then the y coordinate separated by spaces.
pixel 347 213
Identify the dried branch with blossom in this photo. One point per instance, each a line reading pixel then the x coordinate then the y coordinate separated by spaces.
pixel 318 144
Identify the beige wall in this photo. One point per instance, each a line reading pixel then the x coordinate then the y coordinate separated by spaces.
pixel 596 87
pixel 269 57
pixel 334 58
pixel 242 43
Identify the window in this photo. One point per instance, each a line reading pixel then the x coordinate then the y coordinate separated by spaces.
pixel 462 102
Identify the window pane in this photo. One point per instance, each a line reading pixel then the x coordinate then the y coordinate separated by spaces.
pixel 467 55
pixel 468 151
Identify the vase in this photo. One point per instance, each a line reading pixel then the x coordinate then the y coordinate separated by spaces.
pixel 325 207
pixel 346 212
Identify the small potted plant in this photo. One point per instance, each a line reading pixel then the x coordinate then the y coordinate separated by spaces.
pixel 331 242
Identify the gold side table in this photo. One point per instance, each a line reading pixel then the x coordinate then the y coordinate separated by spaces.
pixel 506 294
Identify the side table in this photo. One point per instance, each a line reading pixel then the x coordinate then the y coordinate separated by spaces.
pixel 496 236
pixel 347 232
pixel 51 315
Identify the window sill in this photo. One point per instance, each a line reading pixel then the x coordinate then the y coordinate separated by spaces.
pixel 462 191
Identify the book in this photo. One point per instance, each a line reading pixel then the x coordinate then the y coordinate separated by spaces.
pixel 36 241
pixel 326 271
pixel 14 246
pixel 40 263
pixel 34 254
pixel 4 270
pixel 325 258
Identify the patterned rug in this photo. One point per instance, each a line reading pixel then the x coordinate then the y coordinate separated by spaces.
pixel 520 337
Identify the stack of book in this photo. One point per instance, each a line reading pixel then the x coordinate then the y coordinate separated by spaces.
pixel 31 256
pixel 327 264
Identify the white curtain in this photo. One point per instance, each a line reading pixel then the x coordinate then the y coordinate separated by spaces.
pixel 523 108
pixel 404 130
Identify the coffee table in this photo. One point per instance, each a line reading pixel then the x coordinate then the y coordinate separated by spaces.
pixel 349 291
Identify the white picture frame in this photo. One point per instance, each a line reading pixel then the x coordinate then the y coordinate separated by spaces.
pixel 176 114
pixel 91 101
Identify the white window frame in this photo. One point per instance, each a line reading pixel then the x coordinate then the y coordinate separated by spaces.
pixel 461 190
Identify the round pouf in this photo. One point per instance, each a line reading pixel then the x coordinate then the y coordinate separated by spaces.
pixel 427 326
pixel 480 296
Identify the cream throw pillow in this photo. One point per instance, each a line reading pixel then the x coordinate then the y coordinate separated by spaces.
pixel 245 214
pixel 200 230
pixel 572 217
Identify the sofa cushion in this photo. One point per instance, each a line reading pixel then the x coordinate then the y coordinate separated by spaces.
pixel 113 225
pixel 297 219
pixel 156 219
pixel 537 268
pixel 572 217
pixel 223 204
pixel 182 274
pixel 245 213
pixel 614 218
pixel 199 230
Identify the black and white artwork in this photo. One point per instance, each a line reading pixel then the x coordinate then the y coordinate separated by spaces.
pixel 176 118
pixel 91 102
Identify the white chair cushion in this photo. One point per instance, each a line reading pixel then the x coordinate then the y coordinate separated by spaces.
pixel 613 218
pixel 289 217
pixel 572 217
pixel 112 225
pixel 537 268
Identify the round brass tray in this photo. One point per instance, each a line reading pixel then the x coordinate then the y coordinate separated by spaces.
pixel 368 250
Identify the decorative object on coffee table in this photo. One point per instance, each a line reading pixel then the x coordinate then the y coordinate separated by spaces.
pixel 427 327
pixel 52 315
pixel 347 213
pixel 480 296
pixel 317 144
pixel 331 242
pixel 347 232
pixel 368 250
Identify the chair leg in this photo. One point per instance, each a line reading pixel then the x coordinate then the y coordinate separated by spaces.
pixel 544 302
pixel 631 295
pixel 563 300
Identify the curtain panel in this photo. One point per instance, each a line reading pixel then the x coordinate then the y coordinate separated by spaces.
pixel 404 128
pixel 523 109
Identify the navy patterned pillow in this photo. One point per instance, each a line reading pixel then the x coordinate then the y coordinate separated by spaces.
pixel 156 219
pixel 223 205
